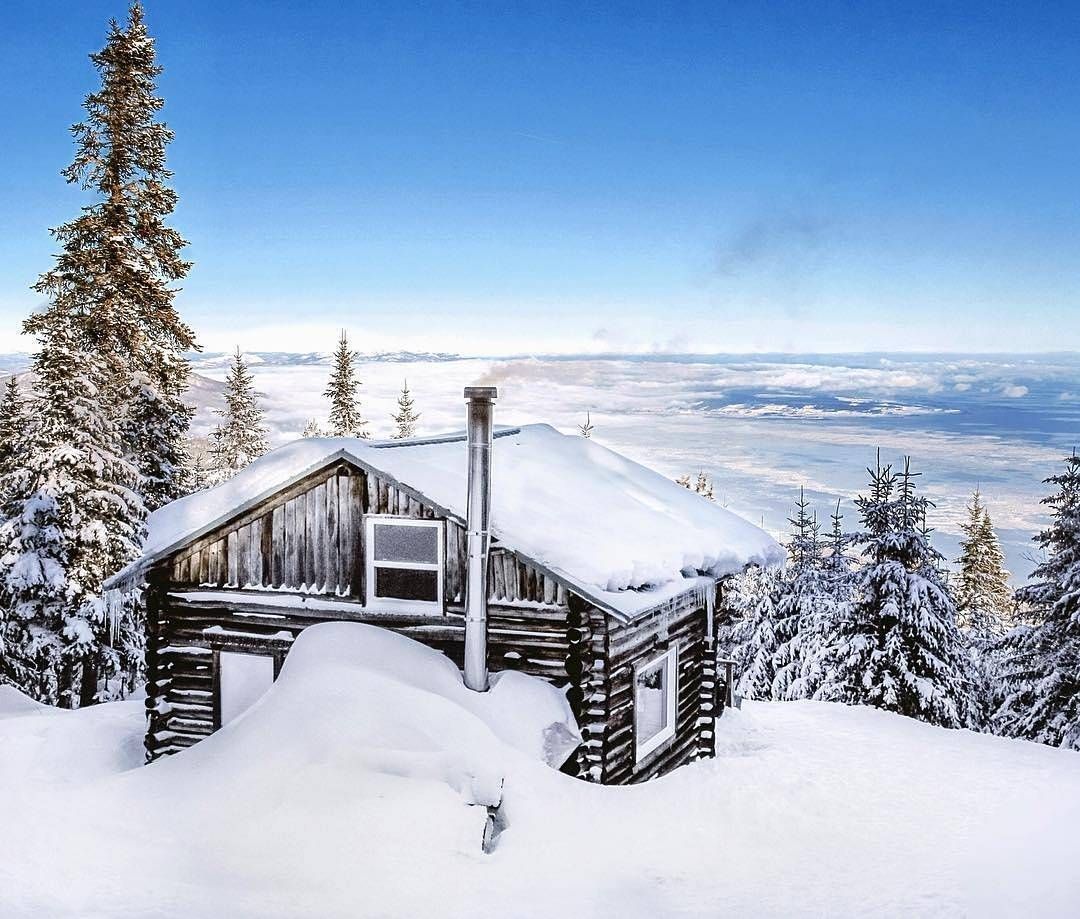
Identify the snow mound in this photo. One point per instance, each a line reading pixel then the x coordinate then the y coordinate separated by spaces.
pixel 13 702
pixel 526 713
pixel 603 521
pixel 346 792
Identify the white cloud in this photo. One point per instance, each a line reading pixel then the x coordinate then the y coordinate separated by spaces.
pixel 1013 391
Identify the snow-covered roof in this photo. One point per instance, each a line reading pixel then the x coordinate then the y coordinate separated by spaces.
pixel 625 535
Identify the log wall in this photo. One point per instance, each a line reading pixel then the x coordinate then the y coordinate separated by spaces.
pixel 611 651
pixel 184 622
pixel 308 542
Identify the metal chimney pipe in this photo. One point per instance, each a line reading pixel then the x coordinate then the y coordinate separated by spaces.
pixel 481 402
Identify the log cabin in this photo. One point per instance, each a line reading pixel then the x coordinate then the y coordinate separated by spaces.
pixel 519 548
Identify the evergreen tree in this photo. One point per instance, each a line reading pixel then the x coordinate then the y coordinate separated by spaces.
pixel 406 417
pixel 13 437
pixel 838 564
pixel 702 485
pixel 343 393
pixel 1042 670
pixel 13 428
pixel 586 429
pixel 984 601
pixel 801 598
pixel 313 429
pixel 113 279
pixel 241 436
pixel 198 473
pixel 898 647
pixel 984 604
pixel 832 590
pixel 72 517
pixel 746 633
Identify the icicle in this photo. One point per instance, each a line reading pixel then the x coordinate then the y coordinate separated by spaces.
pixel 709 589
pixel 114 609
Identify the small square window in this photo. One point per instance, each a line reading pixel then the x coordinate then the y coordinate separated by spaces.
pixel 655 695
pixel 404 563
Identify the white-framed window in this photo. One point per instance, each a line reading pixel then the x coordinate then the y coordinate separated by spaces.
pixel 404 563
pixel 656 691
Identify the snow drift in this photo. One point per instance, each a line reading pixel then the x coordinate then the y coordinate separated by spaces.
pixel 348 790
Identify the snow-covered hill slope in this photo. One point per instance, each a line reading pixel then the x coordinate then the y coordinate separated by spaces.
pixel 346 790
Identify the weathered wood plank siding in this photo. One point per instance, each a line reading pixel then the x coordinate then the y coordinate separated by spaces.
pixel 310 538
pixel 180 684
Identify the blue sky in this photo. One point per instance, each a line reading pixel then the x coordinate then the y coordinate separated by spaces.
pixel 722 177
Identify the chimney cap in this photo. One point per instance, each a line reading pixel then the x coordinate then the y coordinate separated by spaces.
pixel 481 393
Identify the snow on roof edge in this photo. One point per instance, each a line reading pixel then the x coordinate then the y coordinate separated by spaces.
pixel 709 538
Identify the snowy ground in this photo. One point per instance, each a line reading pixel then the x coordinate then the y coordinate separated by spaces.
pixel 345 792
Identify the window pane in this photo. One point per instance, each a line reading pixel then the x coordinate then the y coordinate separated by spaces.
pixel 406 544
pixel 650 701
pixel 407 584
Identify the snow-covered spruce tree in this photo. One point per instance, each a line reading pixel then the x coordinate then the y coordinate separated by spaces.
pixel 241 436
pixel 13 439
pixel 113 279
pixel 984 601
pixel 198 471
pixel 834 588
pixel 838 563
pixel 984 605
pixel 406 417
pixel 1042 666
pixel 586 429
pixel 701 485
pixel 898 647
pixel 343 393
pixel 746 632
pixel 13 429
pixel 801 598
pixel 73 517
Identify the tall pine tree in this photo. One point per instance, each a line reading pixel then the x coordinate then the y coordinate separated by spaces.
pixel 747 630
pixel 838 563
pixel 73 517
pixel 13 436
pixel 343 392
pixel 1042 669
pixel 898 647
pixel 800 608
pixel 984 605
pixel 984 601
pixel 241 436
pixel 114 278
pixel 406 417
pixel 14 423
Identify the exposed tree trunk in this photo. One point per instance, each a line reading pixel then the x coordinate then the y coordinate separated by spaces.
pixel 88 683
